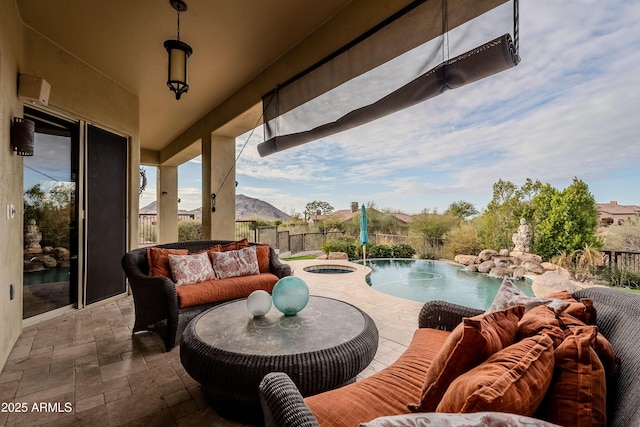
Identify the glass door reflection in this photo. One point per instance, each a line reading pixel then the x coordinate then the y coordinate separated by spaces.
pixel 50 216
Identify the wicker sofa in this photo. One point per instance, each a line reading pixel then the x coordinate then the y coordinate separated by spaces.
pixel 618 319
pixel 156 301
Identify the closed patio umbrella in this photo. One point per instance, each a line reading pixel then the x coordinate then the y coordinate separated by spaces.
pixel 364 235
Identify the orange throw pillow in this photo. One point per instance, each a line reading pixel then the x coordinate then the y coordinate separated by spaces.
pixel 583 309
pixel 577 396
pixel 513 380
pixel 470 343
pixel 540 320
pixel 214 248
pixel 234 246
pixel 158 259
pixel 262 252
pixel 601 345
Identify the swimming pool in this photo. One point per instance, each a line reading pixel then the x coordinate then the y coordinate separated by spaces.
pixel 425 280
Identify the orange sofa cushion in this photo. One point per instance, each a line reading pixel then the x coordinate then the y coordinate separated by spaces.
pixel 224 289
pixel 158 260
pixel 387 392
pixel 513 380
pixel 577 396
pixel 470 343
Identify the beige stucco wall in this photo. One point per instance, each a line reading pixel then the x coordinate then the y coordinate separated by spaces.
pixel 80 91
pixel 11 48
pixel 77 91
pixel 167 197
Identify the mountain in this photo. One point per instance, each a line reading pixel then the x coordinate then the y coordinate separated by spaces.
pixel 250 208
pixel 246 208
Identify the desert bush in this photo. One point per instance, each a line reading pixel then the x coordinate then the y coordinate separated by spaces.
pixel 463 240
pixel 189 229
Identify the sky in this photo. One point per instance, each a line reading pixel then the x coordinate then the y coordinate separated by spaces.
pixel 571 108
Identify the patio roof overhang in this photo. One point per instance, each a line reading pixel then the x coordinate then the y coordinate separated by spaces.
pixel 241 51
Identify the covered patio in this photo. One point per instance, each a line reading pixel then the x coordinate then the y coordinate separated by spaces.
pixel 103 67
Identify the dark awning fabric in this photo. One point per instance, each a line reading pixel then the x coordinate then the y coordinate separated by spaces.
pixel 486 60
pixel 323 117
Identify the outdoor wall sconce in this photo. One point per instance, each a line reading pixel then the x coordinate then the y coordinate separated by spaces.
pixel 22 132
pixel 178 52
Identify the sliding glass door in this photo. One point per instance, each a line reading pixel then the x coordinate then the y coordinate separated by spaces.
pixel 51 216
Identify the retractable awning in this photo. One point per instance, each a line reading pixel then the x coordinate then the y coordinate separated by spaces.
pixel 417 54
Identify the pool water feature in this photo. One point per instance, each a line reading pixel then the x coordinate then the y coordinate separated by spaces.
pixel 329 269
pixel 426 280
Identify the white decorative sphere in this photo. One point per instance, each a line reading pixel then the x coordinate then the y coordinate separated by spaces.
pixel 259 303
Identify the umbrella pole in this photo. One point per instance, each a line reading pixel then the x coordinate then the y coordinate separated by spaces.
pixel 364 254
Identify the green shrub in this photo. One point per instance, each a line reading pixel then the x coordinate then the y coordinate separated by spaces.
pixel 403 251
pixel 343 244
pixel 379 251
pixel 189 229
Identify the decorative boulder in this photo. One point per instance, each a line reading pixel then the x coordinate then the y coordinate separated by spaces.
pixel 518 273
pixel 505 262
pixel 466 259
pixel 472 268
pixel 526 256
pixel 487 255
pixel 533 267
pixel 551 282
pixel 549 266
pixel 504 252
pixel 486 266
pixel 61 253
pixel 48 261
pixel 338 255
pixel 500 272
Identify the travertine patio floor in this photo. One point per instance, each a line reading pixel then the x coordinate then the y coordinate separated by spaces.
pixel 86 368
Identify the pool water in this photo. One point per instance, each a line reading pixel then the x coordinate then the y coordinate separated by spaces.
pixel 51 275
pixel 329 269
pixel 425 280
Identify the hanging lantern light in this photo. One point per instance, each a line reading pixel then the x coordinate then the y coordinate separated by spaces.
pixel 178 52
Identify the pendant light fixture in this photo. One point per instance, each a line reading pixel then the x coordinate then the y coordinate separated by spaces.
pixel 178 52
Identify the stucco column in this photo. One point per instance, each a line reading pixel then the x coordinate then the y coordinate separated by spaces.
pixel 219 178
pixel 167 198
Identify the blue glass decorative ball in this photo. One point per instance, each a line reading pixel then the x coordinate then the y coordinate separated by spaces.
pixel 290 295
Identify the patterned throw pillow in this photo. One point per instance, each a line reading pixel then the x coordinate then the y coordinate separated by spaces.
pixel 509 295
pixel 191 269
pixel 242 262
pixel 430 419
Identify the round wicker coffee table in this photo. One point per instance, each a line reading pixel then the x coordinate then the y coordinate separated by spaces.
pixel 229 352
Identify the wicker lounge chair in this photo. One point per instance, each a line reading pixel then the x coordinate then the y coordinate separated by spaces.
pixel 618 319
